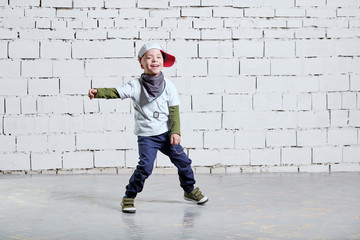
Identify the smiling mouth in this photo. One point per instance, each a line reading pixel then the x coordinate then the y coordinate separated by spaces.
pixel 155 65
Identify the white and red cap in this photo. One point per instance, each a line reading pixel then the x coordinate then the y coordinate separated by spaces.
pixel 169 59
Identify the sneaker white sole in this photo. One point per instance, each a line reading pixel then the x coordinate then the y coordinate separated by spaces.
pixel 201 201
pixel 129 210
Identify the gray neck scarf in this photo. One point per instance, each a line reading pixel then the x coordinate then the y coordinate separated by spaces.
pixel 153 85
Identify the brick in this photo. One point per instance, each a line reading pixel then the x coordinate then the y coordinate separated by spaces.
pixel 154 34
pixel 203 157
pixel 18 23
pixel 218 170
pixel 7 143
pixel 351 154
pixel 327 155
pixel 304 101
pixel 89 34
pixel 166 13
pixel 12 105
pixel 223 67
pixel 347 12
pixel 11 86
pixel 183 49
pixel 14 161
pixel 28 105
pixel 109 158
pixel 346 47
pixel 288 66
pixel 309 33
pixel 255 120
pixel 208 23
pixel 7 33
pixel 311 137
pixel 56 3
pixel 314 169
pixel 55 49
pixel 9 68
pixel 133 13
pixel 348 100
pixel 86 3
pixel 211 140
pixel 215 49
pixel 334 83
pixel 68 68
pixel 290 12
pixel 318 101
pixel 3 49
pixel 120 4
pixel 310 119
pixel 354 118
pixel 78 160
pixel 42 86
pixel 334 100
pixel 74 85
pixel 208 121
pixel 280 138
pixel 110 67
pixel 33 143
pixel 40 12
pixel 228 12
pixel 343 136
pixel 249 139
pixel 40 161
pixel 91 106
pixel 345 167
pixel 282 169
pixel 36 68
pixel 296 156
pixel 237 103
pixel 184 3
pixel 130 23
pixel 106 141
pixel 61 142
pixel 254 67
pixel 16 125
pixel 191 139
pixel 109 48
pixel 265 157
pixel 46 24
pixel 247 33
pixel 116 122
pixel 310 3
pixel 289 101
pixel 279 49
pixel 192 67
pixel 153 3
pixel 245 48
pixel 207 103
pixel 279 33
pixel 259 12
pixel 2 106
pixel 216 3
pixel 267 101
pixel 93 123
pixel 196 12
pixel 216 34
pixel 185 34
pixel 310 48
pixel 339 118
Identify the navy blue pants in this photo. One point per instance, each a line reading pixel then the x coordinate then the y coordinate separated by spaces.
pixel 148 148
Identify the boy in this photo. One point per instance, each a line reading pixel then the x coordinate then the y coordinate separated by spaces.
pixel 157 123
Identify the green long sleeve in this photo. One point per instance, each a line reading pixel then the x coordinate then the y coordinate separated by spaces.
pixel 107 93
pixel 174 115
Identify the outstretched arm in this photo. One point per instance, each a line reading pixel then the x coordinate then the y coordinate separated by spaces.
pixel 107 93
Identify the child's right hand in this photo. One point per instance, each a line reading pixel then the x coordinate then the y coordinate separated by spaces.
pixel 92 93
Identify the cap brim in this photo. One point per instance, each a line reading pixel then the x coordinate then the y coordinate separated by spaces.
pixel 170 59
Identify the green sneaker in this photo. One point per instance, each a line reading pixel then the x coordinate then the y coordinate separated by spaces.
pixel 127 205
pixel 196 196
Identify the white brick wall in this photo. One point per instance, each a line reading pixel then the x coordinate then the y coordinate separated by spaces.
pixel 272 83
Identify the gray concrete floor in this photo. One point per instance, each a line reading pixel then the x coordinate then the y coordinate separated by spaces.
pixel 242 206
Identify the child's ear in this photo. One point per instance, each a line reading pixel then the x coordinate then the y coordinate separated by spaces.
pixel 142 67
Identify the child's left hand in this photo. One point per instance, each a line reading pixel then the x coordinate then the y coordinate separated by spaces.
pixel 175 139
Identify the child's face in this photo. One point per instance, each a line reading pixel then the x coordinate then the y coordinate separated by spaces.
pixel 152 62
